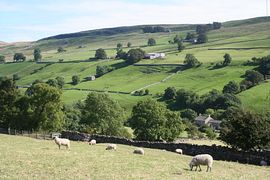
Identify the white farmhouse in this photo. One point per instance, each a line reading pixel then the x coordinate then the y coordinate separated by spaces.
pixel 154 55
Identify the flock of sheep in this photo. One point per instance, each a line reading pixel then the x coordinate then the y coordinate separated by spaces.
pixel 196 161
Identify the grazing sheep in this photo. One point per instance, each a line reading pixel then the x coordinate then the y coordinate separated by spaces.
pixel 111 147
pixel 93 142
pixel 63 142
pixel 201 159
pixel 139 151
pixel 179 151
pixel 263 163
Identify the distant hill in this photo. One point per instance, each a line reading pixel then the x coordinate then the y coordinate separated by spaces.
pixel 118 30
pixel 3 43
pixel 247 21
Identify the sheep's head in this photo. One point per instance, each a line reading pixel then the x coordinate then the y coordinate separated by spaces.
pixel 192 163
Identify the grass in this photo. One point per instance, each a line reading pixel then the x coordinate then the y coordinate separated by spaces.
pixel 251 33
pixel 257 98
pixel 26 158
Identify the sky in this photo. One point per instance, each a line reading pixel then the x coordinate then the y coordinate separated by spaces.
pixel 29 20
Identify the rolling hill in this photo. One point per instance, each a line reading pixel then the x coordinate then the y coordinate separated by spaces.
pixel 242 39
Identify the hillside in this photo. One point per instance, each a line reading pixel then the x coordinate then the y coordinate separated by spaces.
pixel 31 158
pixel 242 39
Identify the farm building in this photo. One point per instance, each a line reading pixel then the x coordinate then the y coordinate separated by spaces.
pixel 207 120
pixel 193 41
pixel 90 78
pixel 154 55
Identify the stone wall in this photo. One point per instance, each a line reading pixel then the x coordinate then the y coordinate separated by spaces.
pixel 218 152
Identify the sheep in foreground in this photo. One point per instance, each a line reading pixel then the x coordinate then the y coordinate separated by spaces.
pixel 93 142
pixel 179 151
pixel 201 159
pixel 62 142
pixel 111 147
pixel 139 151
pixel 263 163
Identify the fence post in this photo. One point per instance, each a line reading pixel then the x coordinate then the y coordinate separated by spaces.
pixel 9 130
pixel 36 135
pixel 15 132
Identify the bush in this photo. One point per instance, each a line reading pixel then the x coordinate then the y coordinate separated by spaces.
pixel 60 49
pixel 75 80
pixel 151 42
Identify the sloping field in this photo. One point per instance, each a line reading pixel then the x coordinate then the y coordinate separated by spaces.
pixel 26 158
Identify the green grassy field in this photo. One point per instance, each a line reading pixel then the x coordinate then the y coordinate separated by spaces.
pixel 27 158
pixel 252 34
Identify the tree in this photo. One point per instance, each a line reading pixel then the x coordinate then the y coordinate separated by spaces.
pixel 189 114
pixel 119 46
pixel 15 77
pixel 9 95
pixel 190 36
pixel 101 70
pixel 191 61
pixel 135 55
pixel 217 25
pixel 102 115
pixel 169 93
pixel 60 81
pixel 176 39
pixel 75 80
pixel 254 77
pixel 232 87
pixel 100 54
pixel 227 59
pixel 202 38
pixel 19 57
pixel 264 65
pixel 151 120
pixel 72 118
pixel 210 133
pixel 46 107
pixel 121 54
pixel 151 42
pixel 186 99
pixel 146 92
pixel 129 44
pixel 2 59
pixel 52 82
pixel 245 130
pixel 37 54
pixel 60 49
pixel 181 46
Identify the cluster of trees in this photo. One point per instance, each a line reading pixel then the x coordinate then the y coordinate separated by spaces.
pixel 132 56
pixel 201 29
pixel 141 92
pixel 190 36
pixel 58 82
pixel 252 78
pixel 40 108
pixel 263 64
pixel 152 121
pixel 245 130
pixel 101 70
pixel 119 46
pixel 19 57
pixel 154 29
pixel 191 61
pixel 183 99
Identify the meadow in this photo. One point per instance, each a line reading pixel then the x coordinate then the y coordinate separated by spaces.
pixel 241 39
pixel 27 158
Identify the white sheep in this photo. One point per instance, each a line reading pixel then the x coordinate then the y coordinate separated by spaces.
pixel 111 147
pixel 93 142
pixel 179 151
pixel 63 142
pixel 201 159
pixel 139 151
pixel 263 163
